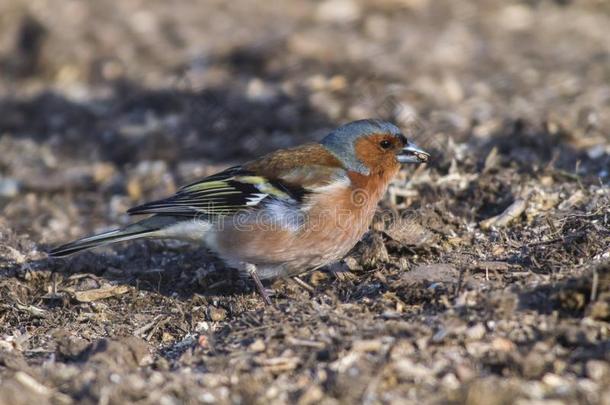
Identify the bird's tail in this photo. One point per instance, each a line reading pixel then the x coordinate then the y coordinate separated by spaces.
pixel 117 235
pixel 151 227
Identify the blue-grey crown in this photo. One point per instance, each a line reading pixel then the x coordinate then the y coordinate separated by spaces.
pixel 341 141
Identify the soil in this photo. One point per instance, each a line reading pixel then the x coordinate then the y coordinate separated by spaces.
pixel 485 278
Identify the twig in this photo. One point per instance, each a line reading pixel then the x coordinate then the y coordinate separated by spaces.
pixel 143 329
pixel 509 214
pixel 594 285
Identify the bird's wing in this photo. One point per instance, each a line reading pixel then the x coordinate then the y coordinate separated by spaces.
pixel 224 193
pixel 287 175
pixel 308 166
pixel 315 178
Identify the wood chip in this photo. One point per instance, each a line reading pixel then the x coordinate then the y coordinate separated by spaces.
pixel 305 343
pixel 32 310
pixel 512 212
pixel 278 364
pixel 371 345
pixel 30 383
pixel 492 265
pixel 409 232
pixel 99 293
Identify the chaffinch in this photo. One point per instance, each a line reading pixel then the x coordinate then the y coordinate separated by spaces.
pixel 288 212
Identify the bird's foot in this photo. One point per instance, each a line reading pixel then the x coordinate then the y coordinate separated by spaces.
pixel 259 285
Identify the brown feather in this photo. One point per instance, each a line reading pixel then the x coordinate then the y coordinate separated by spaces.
pixel 287 159
pixel 309 165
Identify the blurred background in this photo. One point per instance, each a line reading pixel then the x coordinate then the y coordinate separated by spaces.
pixel 131 96
pixel 107 104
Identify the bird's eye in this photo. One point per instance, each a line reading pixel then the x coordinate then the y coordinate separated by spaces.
pixel 385 144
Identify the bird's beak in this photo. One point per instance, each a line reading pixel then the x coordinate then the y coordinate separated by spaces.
pixel 412 153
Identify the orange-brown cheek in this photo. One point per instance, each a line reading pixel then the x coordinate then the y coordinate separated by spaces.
pixel 367 153
pixel 380 162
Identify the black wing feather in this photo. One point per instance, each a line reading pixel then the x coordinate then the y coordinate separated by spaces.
pixel 221 194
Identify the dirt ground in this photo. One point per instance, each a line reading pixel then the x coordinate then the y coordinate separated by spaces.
pixel 485 278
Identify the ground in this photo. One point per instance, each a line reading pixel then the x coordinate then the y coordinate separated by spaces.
pixel 485 278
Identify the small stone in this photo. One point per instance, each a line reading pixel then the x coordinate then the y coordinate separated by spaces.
pixel 547 181
pixel 464 372
pixel 478 348
pixel 410 232
pixel 574 199
pixel 411 371
pixel 337 82
pixel 596 152
pixel 68 346
pixel 516 17
pixel 376 26
pixel 534 365
pixel 313 395
pixel 217 314
pixel 202 326
pixel 325 102
pixel 476 332
pixel 375 251
pixel 352 264
pixel 553 380
pixel 317 278
pixel 308 44
pixel 103 172
pixel 502 344
pixel 338 11
pixel 440 335
pixel 450 381
pixel 202 341
pixel 129 352
pixel 489 391
pixel 258 90
pixel 9 187
pixel 435 273
pixel 372 345
pixel 134 189
pixel 599 310
pixel 257 346
pixel 598 370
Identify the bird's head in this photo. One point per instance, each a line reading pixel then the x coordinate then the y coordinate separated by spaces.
pixel 367 145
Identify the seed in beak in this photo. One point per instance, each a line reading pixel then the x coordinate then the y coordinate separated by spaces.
pixel 412 153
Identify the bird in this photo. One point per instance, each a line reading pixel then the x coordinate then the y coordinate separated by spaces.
pixel 283 214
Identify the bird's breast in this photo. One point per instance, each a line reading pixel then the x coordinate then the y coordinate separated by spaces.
pixel 328 226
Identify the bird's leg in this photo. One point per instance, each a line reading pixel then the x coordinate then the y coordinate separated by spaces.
pixel 251 269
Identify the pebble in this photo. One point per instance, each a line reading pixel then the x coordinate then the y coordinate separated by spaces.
pixel 352 263
pixel 372 345
pixel 412 371
pixel 516 17
pixel 598 370
pixel 597 151
pixel 377 27
pixel 450 381
pixel 600 310
pixel 534 365
pixel 553 380
pixel 217 314
pixel 476 332
pixel 9 187
pixel 338 11
pixel 257 346
pixel 325 102
pixel 259 91
pixel 502 344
